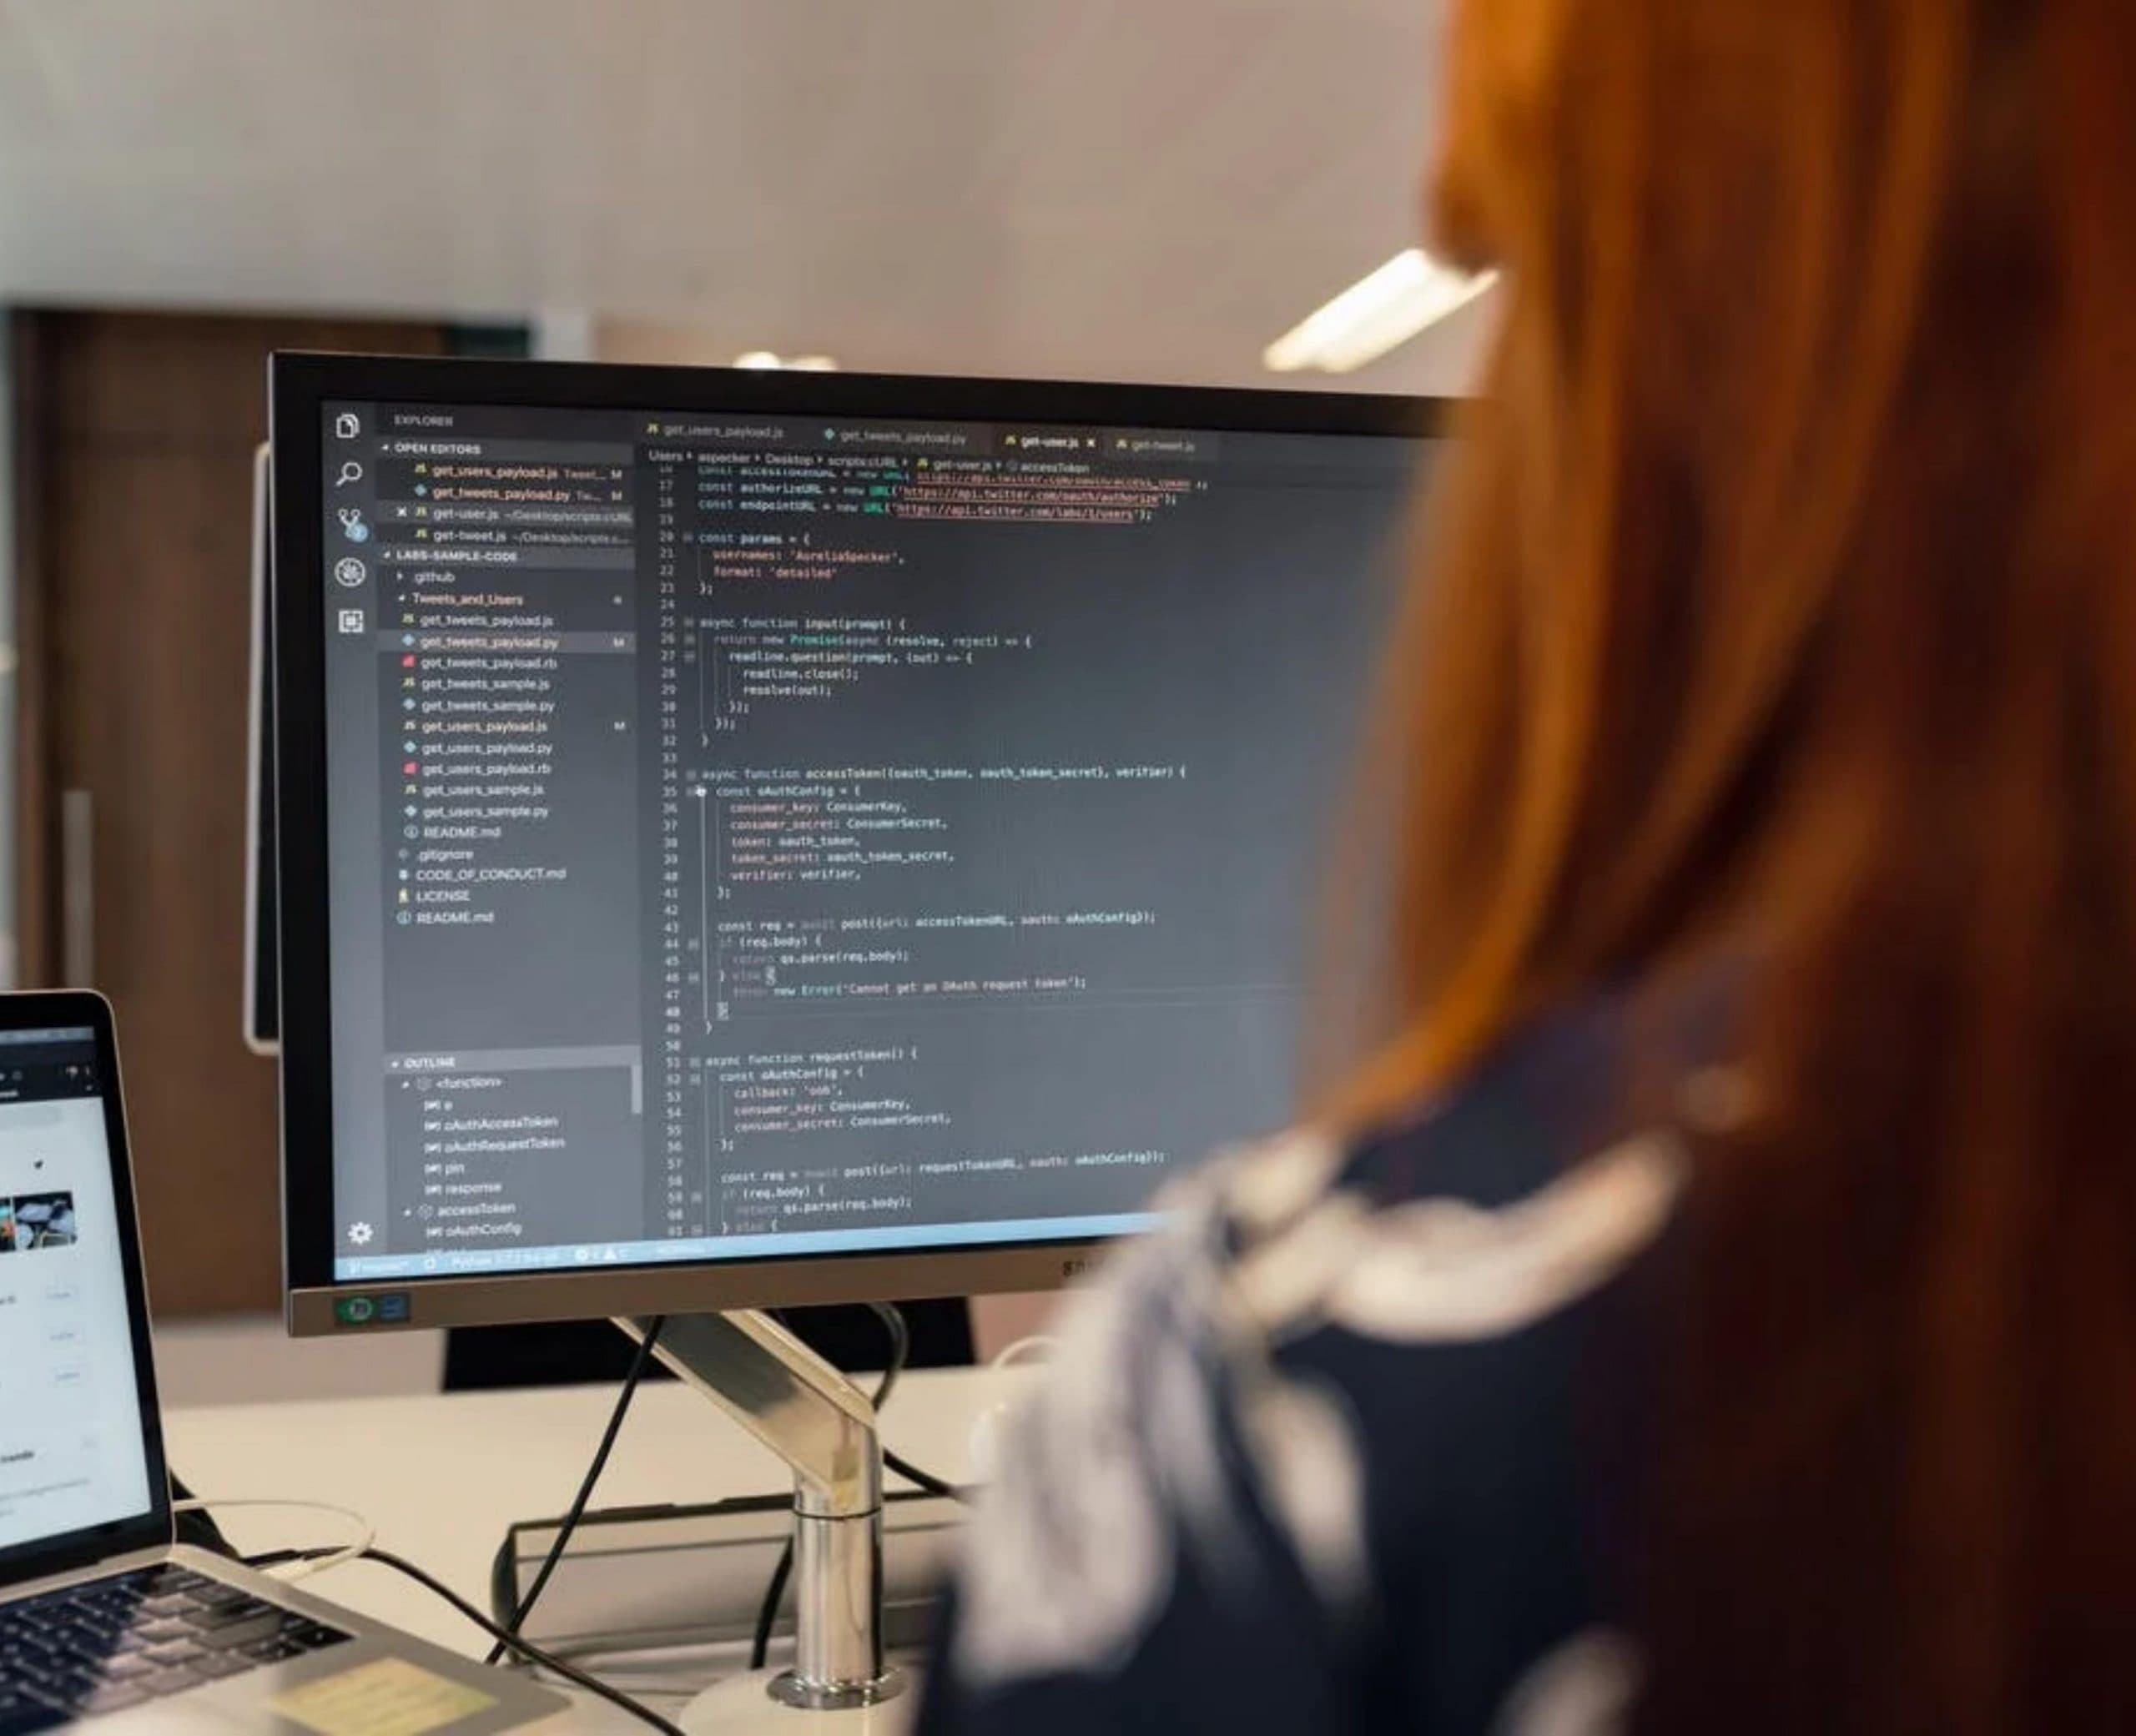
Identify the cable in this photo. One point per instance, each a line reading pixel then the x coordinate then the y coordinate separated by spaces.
pixel 894 1322
pixel 900 1330
pixel 639 1364
pixel 507 1641
pixel 1026 1350
pixel 926 1480
pixel 203 1533
pixel 767 1611
pixel 367 1533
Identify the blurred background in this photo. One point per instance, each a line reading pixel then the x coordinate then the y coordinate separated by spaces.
pixel 1153 190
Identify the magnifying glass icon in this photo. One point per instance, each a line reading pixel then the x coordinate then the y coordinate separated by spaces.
pixel 352 471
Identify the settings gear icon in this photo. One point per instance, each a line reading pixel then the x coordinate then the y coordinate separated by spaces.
pixel 360 1234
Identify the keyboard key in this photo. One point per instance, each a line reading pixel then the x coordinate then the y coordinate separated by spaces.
pixel 167 1603
pixel 112 1696
pixel 48 1696
pixel 169 1682
pixel 315 1636
pixel 128 1665
pixel 237 1635
pixel 243 1609
pixel 216 1665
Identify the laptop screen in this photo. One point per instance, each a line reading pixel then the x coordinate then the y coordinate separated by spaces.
pixel 73 1450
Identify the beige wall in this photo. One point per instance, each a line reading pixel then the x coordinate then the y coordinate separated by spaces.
pixel 998 1321
pixel 1446 361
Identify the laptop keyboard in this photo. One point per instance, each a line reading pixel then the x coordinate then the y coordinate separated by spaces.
pixel 115 1644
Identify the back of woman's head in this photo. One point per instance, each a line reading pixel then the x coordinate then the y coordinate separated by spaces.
pixel 1786 614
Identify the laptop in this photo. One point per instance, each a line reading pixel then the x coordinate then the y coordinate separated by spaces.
pixel 105 1619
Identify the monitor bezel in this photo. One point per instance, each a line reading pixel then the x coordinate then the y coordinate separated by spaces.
pixel 300 385
pixel 262 943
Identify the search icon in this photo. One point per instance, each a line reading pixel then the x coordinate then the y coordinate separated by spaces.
pixel 352 471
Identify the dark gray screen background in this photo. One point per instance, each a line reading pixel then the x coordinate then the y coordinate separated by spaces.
pixel 1230 640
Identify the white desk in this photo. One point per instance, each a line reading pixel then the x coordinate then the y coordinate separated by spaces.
pixel 442 1477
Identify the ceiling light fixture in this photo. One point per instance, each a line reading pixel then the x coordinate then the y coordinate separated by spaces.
pixel 1410 293
pixel 765 360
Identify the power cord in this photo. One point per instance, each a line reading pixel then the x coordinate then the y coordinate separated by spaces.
pixel 1035 1348
pixel 900 1336
pixel 894 1322
pixel 507 1635
pixel 639 1364
pixel 320 1561
pixel 924 1480
pixel 506 1640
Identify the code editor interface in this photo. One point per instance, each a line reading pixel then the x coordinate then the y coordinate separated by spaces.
pixel 758 837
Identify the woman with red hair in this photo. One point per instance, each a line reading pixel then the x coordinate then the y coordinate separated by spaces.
pixel 1706 1299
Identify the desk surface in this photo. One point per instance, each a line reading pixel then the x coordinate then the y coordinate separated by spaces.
pixel 442 1476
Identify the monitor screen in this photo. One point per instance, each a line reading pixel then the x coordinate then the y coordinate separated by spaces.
pixel 755 835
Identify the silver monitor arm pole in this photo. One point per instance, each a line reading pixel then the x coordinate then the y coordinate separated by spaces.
pixel 824 1427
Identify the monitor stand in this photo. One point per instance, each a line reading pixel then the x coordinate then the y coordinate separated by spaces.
pixel 823 1425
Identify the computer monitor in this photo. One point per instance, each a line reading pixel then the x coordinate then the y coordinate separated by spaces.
pixel 757 839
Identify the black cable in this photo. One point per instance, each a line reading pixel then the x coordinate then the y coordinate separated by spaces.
pixel 506 1640
pixel 639 1364
pixel 900 1330
pixel 894 1322
pixel 767 1611
pixel 925 1481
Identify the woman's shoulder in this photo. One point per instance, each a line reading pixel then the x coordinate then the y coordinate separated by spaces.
pixel 1337 1358
pixel 1475 1212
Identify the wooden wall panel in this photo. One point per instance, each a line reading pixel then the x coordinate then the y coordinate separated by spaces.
pixel 136 434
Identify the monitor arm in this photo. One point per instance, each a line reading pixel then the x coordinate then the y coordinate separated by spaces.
pixel 823 1425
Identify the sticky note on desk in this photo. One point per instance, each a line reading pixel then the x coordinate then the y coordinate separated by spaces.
pixel 387 1696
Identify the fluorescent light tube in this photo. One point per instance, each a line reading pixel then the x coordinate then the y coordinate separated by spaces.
pixel 1411 293
pixel 765 360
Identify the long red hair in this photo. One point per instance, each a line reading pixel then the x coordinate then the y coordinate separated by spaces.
pixel 1785 610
